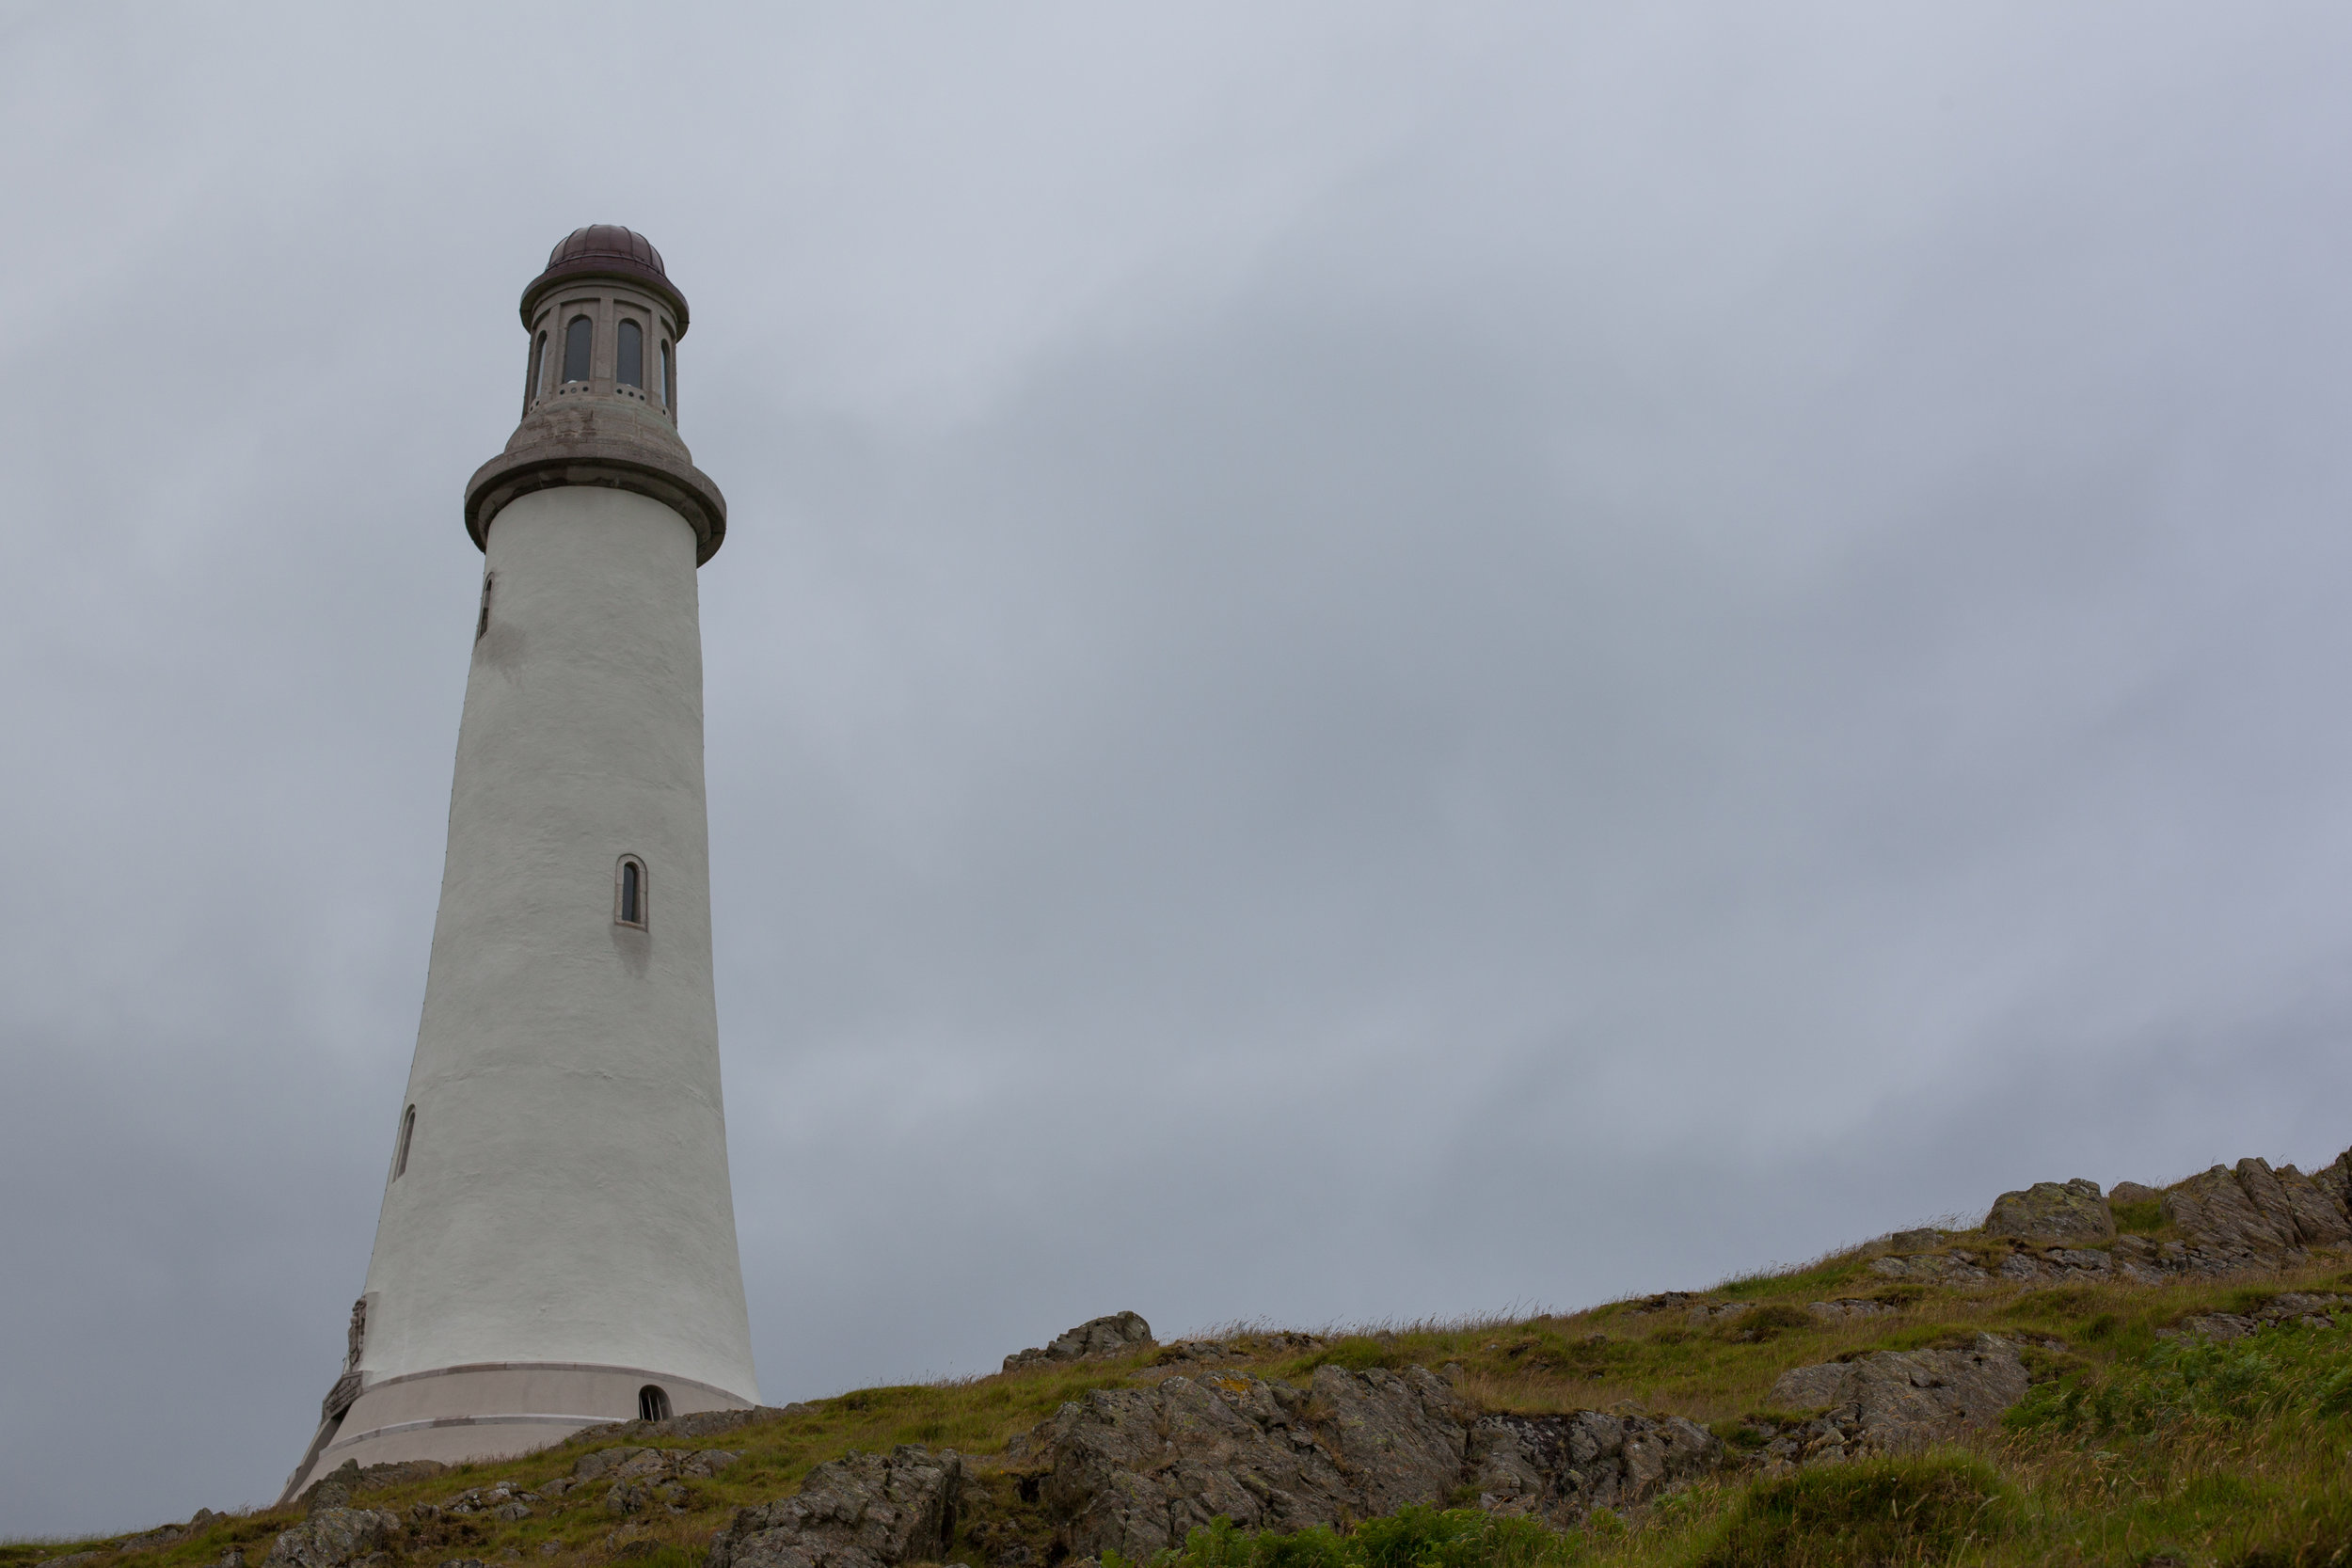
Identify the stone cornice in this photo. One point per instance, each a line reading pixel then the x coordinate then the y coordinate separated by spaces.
pixel 547 454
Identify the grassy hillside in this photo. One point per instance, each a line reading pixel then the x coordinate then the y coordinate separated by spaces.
pixel 2133 1447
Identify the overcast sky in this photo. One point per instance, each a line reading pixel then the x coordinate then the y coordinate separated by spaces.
pixel 1373 659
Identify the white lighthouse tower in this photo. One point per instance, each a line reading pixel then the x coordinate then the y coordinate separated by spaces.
pixel 557 1241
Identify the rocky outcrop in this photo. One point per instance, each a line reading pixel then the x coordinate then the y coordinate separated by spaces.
pixel 1134 1469
pixel 2052 1213
pixel 2289 1307
pixel 333 1536
pixel 861 1510
pixel 1113 1336
pixel 1934 1268
pixel 642 1478
pixel 1895 1401
pixel 2254 1214
pixel 1559 1468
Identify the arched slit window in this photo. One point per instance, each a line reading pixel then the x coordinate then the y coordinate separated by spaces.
pixel 630 371
pixel 408 1135
pixel 629 892
pixel 577 338
pixel 531 382
pixel 653 1403
pixel 669 386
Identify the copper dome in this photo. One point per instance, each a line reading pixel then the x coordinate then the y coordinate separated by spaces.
pixel 606 251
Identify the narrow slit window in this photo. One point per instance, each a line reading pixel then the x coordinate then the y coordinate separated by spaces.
pixel 407 1136
pixel 577 339
pixel 669 386
pixel 629 892
pixel 482 625
pixel 531 382
pixel 653 1403
pixel 632 371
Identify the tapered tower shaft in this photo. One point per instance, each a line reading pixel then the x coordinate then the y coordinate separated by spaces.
pixel 556 1246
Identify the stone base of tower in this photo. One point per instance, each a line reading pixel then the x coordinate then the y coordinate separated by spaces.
pixel 492 1410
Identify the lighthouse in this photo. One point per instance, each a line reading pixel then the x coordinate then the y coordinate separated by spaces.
pixel 556 1246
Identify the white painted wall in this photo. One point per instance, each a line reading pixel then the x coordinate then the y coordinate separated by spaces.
pixel 566 1197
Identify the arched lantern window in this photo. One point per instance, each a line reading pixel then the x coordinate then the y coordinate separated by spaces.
pixel 538 357
pixel 669 381
pixel 653 1403
pixel 577 340
pixel 630 369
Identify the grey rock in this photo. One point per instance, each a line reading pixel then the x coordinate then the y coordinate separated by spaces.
pixel 2219 1326
pixel 2137 1259
pixel 2052 1212
pixel 331 1537
pixel 603 1461
pixel 334 1489
pixel 510 1513
pixel 1115 1335
pixel 1934 1268
pixel 1559 1468
pixel 1707 1313
pixel 71 1559
pixel 2214 1210
pixel 1896 1400
pixel 1134 1469
pixel 1849 1308
pixel 2315 1215
pixel 861 1510
pixel 2124 1193
pixel 2335 1180
pixel 1916 1240
pixel 1400 1433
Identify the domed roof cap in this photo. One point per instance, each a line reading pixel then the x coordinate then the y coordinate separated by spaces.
pixel 606 251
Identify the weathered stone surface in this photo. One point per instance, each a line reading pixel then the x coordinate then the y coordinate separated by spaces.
pixel 2214 1210
pixel 1932 1268
pixel 2335 1180
pixel 1561 1467
pixel 331 1537
pixel 1916 1240
pixel 1709 1313
pixel 1898 1400
pixel 2052 1214
pixel 1848 1308
pixel 1134 1469
pixel 861 1510
pixel 2124 1193
pixel 2316 1218
pixel 1113 1336
pixel 2312 1310
pixel 1400 1434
